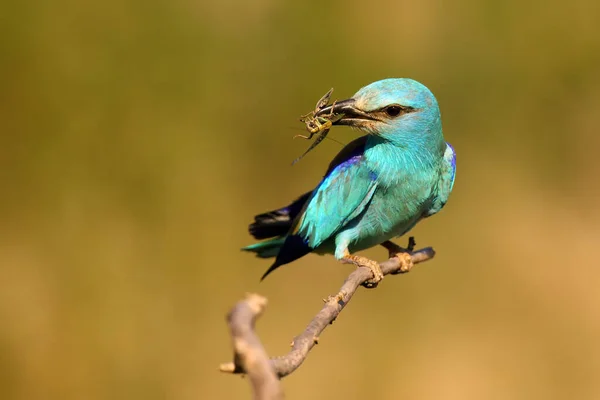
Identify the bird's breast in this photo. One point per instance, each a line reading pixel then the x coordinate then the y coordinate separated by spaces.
pixel 393 211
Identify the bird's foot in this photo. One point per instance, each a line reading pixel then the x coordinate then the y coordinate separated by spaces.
pixel 402 254
pixel 406 262
pixel 374 266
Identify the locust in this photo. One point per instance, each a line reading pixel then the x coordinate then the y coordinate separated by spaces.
pixel 317 125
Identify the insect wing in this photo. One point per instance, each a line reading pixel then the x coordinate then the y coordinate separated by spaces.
pixel 323 100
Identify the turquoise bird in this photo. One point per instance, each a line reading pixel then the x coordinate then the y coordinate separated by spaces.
pixel 377 188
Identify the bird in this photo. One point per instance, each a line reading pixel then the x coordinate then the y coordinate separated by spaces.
pixel 378 187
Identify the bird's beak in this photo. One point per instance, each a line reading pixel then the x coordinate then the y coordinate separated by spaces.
pixel 350 114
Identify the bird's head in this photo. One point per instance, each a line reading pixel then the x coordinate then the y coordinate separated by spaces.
pixel 399 110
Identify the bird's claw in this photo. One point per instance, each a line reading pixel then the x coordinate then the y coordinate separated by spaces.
pixel 406 262
pixel 374 266
pixel 377 274
pixel 402 254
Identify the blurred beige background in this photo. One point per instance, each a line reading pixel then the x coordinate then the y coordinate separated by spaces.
pixel 139 138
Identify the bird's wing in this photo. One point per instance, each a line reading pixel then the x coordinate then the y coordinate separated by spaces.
pixel 340 197
pixel 281 221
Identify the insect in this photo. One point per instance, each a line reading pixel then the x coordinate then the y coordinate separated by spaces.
pixel 317 125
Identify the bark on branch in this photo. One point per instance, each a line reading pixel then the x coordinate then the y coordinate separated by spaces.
pixel 261 370
pixel 249 355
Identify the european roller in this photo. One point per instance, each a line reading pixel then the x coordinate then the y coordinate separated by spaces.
pixel 378 187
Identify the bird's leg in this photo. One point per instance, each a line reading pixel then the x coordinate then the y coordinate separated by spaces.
pixel 401 253
pixel 361 261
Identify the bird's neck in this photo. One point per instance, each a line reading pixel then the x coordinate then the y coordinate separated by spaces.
pixel 393 162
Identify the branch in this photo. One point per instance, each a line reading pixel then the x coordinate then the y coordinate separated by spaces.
pixel 303 343
pixel 249 355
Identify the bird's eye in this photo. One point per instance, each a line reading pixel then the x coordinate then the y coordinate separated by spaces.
pixel 393 111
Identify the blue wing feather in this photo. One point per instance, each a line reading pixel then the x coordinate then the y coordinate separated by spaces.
pixel 340 197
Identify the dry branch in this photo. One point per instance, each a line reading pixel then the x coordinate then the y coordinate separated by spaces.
pixel 249 355
pixel 303 343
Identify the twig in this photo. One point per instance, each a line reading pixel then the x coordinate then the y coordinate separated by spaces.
pixel 303 343
pixel 249 354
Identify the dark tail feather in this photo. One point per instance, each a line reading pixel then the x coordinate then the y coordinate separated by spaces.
pixel 271 224
pixel 271 269
pixel 292 249
pixel 277 222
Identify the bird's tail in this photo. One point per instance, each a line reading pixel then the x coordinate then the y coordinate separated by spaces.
pixel 275 226
pixel 277 222
pixel 267 249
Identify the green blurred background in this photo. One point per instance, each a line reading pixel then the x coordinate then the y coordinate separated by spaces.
pixel 138 139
